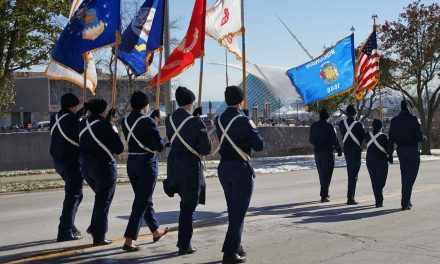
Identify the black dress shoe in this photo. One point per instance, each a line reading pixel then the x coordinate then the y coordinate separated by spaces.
pixel 68 236
pixel 379 205
pixel 189 250
pixel 406 208
pixel 130 248
pixel 232 258
pixel 103 242
pixel 90 230
pixel 352 202
pixel 241 252
pixel 165 231
pixel 324 200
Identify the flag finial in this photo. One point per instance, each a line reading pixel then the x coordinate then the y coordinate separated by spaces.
pixel 374 17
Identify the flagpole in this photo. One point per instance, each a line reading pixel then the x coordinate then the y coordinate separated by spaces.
pixel 356 101
pixel 201 80
pixel 227 75
pixel 374 17
pixel 118 40
pixel 243 30
pixel 85 79
pixel 158 80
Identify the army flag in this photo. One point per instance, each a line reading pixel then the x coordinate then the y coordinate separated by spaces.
pixel 326 76
pixel 191 47
pixel 92 26
pixel 367 66
pixel 223 23
pixel 143 37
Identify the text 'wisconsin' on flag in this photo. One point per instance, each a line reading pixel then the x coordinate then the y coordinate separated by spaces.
pixel 92 25
pixel 328 75
pixel 143 37
pixel 367 66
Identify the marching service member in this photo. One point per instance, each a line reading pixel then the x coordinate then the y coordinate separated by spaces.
pixel 99 141
pixel 378 156
pixel 238 136
pixel 144 141
pixel 406 133
pixel 353 134
pixel 189 141
pixel 64 150
pixel 325 143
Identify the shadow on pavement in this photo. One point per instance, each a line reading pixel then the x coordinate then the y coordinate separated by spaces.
pixel 28 244
pixel 172 217
pixel 38 253
pixel 146 259
pixel 309 212
pixel 340 214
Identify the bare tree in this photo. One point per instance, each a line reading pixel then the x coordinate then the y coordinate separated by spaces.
pixel 412 52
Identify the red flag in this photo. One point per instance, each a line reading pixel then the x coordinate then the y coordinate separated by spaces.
pixel 191 47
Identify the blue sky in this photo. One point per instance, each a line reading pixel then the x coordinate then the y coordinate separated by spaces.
pixel 316 23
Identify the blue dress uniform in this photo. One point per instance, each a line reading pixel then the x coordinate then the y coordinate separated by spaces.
pixel 405 131
pixel 325 143
pixel 99 141
pixel 64 150
pixel 235 173
pixel 185 168
pixel 352 150
pixel 378 156
pixel 142 169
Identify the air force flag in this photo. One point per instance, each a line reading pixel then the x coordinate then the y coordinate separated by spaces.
pixel 92 26
pixel 143 37
pixel 328 75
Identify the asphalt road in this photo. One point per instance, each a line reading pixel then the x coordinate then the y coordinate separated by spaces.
pixel 285 224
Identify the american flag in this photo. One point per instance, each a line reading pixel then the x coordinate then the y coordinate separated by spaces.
pixel 367 67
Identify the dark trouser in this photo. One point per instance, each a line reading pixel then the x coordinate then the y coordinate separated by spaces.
pixel 409 159
pixel 186 218
pixel 325 163
pixel 101 177
pixel 378 170
pixel 353 159
pixel 142 172
pixel 73 185
pixel 236 178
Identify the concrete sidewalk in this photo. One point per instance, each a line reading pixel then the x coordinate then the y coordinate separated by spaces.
pixel 285 224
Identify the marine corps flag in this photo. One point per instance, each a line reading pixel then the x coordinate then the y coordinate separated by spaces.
pixel 191 47
pixel 223 23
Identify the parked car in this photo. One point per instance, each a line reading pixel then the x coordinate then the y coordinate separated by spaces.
pixel 41 126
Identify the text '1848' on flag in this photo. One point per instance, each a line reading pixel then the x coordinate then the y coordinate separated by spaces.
pixel 143 37
pixel 327 75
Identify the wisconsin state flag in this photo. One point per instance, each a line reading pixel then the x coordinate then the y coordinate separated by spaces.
pixel 191 47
